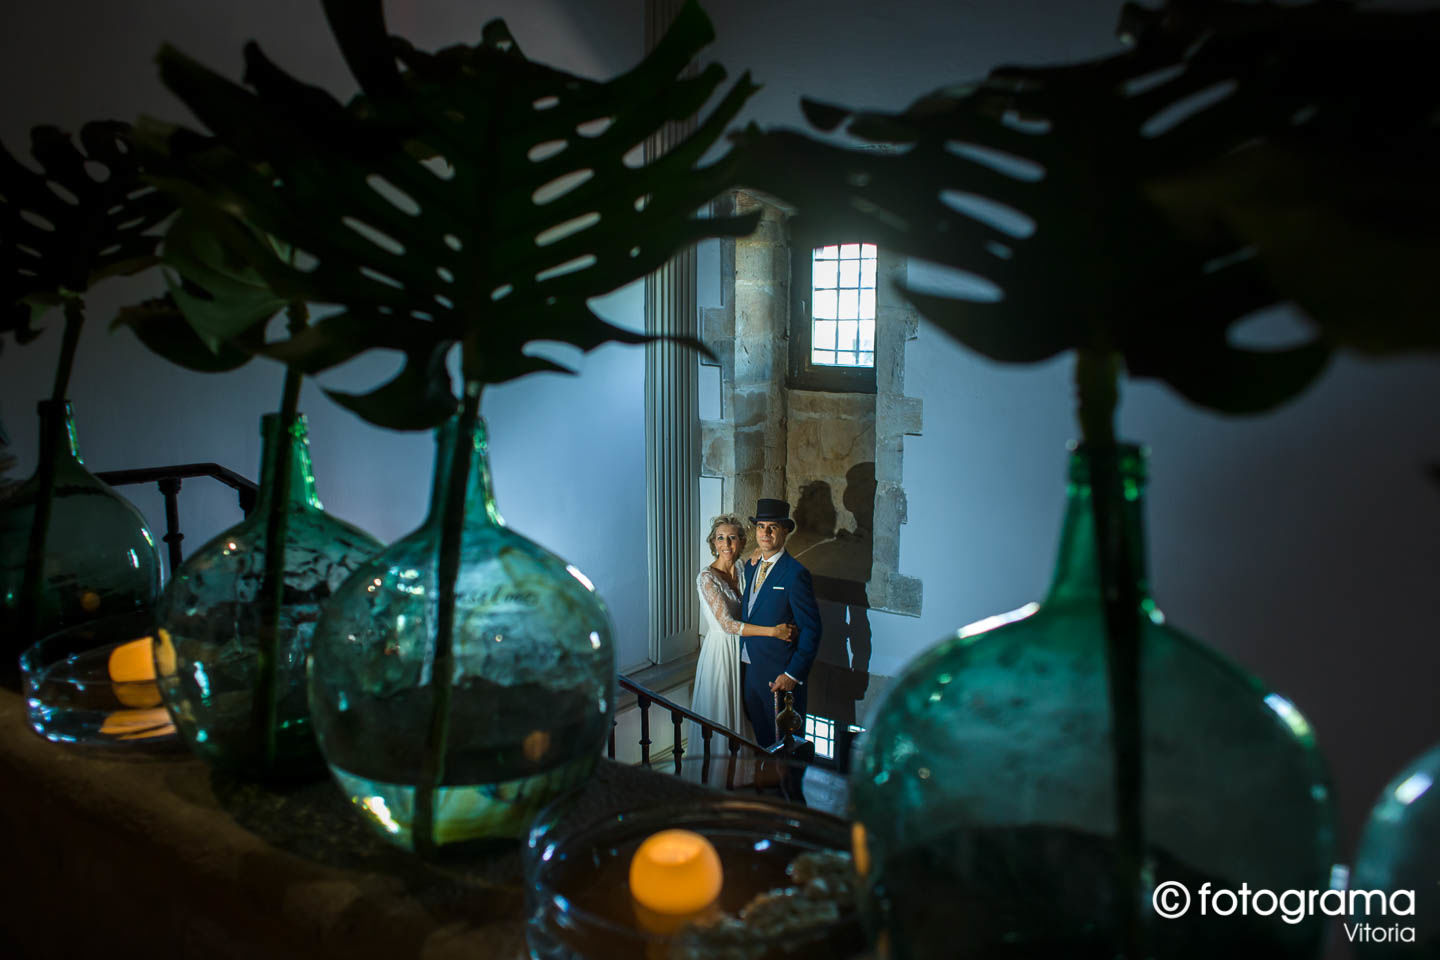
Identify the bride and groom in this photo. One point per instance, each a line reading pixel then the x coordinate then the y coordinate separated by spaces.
pixel 759 612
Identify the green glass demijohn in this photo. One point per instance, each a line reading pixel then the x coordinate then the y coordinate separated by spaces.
pixel 985 787
pixel 532 677
pixel 1400 852
pixel 100 557
pixel 208 649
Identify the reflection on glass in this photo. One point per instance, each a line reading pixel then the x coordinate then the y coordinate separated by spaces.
pixel 533 673
pixel 209 652
pixel 100 559
pixel 986 779
pixel 1399 851
pixel 83 686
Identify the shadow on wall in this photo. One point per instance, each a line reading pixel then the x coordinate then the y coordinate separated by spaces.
pixel 840 676
pixel 839 558
pixel 839 561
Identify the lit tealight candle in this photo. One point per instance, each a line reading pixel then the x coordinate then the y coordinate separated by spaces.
pixel 132 661
pixel 676 875
pixel 132 668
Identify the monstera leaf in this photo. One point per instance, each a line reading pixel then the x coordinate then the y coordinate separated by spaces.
pixel 84 216
pixel 213 317
pixel 1062 192
pixel 469 196
pixel 1340 205
pixel 163 326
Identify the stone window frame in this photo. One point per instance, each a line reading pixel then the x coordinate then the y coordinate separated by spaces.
pixel 803 374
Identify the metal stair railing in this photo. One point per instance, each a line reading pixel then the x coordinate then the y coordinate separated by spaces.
pixel 645 697
pixel 168 479
pixel 781 758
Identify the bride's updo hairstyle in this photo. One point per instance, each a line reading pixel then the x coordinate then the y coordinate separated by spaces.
pixel 725 520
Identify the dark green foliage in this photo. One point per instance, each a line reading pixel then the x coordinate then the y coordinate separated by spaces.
pixel 8 461
pixel 1238 156
pixel 83 217
pixel 163 327
pixel 414 208
pixel 1340 201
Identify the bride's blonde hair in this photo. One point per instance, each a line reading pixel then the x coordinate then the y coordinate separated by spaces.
pixel 725 520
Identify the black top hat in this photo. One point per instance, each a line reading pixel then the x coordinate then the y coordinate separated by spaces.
pixel 774 510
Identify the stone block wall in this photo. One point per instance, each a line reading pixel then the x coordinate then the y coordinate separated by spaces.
pixel 757 410
pixel 836 457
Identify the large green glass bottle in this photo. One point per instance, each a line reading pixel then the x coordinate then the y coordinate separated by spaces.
pixel 208 652
pixel 533 678
pixel 986 784
pixel 1400 852
pixel 100 557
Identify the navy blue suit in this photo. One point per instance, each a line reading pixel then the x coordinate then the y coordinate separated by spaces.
pixel 786 596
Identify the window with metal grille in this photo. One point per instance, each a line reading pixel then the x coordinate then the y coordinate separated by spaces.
pixel 842 297
pixel 821 732
pixel 832 330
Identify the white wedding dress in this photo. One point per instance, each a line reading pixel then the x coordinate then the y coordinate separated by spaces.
pixel 716 695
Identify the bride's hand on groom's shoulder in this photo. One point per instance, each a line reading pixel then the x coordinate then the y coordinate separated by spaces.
pixel 755 557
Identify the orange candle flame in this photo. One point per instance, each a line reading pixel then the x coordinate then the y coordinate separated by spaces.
pixel 132 674
pixel 675 872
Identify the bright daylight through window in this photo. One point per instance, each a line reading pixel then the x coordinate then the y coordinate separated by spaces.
pixel 843 313
pixel 821 731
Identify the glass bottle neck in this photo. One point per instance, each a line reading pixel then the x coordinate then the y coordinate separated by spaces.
pixel 300 492
pixel 480 508
pixel 57 433
pixel 1077 566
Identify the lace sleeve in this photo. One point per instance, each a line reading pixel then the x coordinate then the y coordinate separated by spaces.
pixel 711 594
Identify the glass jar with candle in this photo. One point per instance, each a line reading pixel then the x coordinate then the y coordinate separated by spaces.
pixel 524 708
pixel 986 784
pixel 94 685
pixel 208 651
pixel 100 559
pixel 716 877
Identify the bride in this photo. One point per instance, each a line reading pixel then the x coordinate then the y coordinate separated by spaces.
pixel 716 694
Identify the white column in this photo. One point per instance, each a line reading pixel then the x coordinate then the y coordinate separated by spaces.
pixel 672 421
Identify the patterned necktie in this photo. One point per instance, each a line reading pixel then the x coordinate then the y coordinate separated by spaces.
pixel 765 566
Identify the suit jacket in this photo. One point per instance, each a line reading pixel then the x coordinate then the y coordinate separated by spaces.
pixel 786 596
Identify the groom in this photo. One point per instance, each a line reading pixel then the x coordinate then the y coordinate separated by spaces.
pixel 777 590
